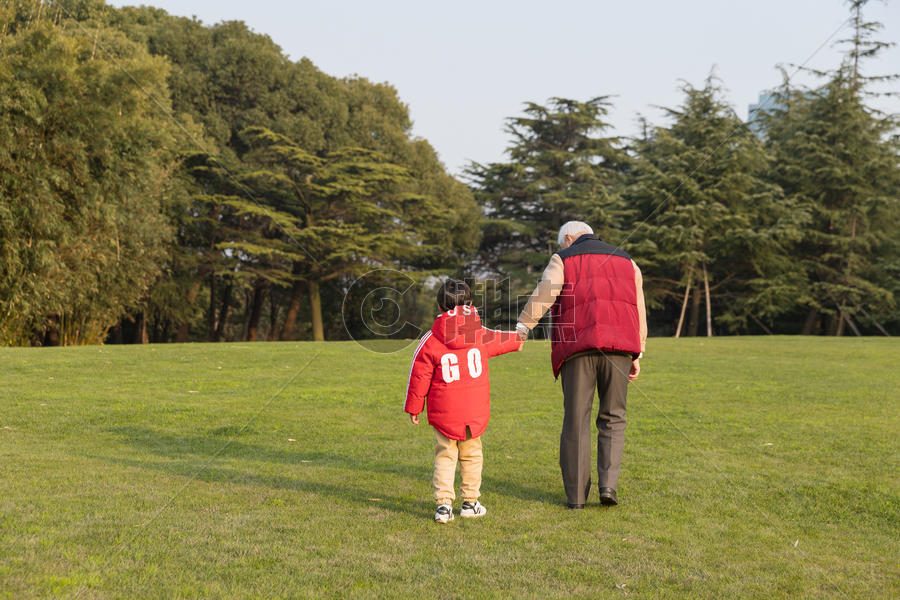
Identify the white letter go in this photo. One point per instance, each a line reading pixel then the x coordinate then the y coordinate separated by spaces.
pixel 450 365
pixel 474 362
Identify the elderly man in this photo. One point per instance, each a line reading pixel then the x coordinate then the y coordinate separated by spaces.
pixel 599 333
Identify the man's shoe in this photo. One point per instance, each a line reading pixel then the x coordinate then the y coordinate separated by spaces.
pixel 608 497
pixel 444 513
pixel 472 509
pixel 571 506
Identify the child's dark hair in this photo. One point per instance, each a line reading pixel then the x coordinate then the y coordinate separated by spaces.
pixel 453 293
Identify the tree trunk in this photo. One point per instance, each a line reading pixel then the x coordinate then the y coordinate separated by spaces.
pixel 181 335
pixel 273 317
pixel 223 312
pixel 694 321
pixel 248 303
pixel 831 326
pixel 844 317
pixel 761 324
pixel 315 305
pixel 874 322
pixel 211 320
pixel 841 318
pixel 852 325
pixel 290 319
pixel 51 334
pixel 687 293
pixel 708 307
pixel 255 311
pixel 140 334
pixel 810 322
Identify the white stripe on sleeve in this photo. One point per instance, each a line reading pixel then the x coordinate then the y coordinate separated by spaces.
pixel 413 362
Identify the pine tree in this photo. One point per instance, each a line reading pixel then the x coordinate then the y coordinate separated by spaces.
pixel 562 167
pixel 837 158
pixel 709 227
pixel 346 211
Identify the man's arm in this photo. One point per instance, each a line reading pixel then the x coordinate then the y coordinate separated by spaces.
pixel 642 308
pixel 543 296
pixel 635 369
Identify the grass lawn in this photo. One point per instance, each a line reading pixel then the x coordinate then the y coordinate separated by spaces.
pixel 754 468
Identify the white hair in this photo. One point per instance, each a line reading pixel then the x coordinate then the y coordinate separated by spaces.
pixel 573 228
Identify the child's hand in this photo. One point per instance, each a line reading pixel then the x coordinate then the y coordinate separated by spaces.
pixel 414 419
pixel 521 345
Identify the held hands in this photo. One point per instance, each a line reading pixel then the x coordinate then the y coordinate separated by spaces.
pixel 522 331
pixel 522 335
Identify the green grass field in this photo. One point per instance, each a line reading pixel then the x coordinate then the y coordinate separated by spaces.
pixel 754 468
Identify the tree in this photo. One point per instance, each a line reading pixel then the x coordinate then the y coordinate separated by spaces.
pixel 837 158
pixel 561 168
pixel 378 120
pixel 346 211
pixel 86 159
pixel 709 223
pixel 229 79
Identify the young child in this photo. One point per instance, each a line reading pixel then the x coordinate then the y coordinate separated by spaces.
pixel 450 368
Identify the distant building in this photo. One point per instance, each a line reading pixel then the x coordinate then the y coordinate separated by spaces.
pixel 768 101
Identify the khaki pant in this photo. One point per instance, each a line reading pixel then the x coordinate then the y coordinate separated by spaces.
pixel 582 375
pixel 446 454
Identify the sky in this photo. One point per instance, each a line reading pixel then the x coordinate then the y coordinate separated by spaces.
pixel 466 66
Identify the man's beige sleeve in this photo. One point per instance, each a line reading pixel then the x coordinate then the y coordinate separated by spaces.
pixel 544 295
pixel 642 308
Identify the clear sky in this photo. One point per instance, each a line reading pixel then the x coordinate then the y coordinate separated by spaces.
pixel 464 66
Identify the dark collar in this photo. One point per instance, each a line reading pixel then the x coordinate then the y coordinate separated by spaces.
pixel 585 237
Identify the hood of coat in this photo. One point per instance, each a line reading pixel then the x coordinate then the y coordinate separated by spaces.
pixel 458 327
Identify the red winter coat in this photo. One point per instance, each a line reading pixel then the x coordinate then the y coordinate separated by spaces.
pixel 450 367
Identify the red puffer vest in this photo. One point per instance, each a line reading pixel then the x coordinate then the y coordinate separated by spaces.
pixel 450 368
pixel 597 307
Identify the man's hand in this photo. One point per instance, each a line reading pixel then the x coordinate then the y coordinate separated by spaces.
pixel 522 331
pixel 635 370
pixel 414 419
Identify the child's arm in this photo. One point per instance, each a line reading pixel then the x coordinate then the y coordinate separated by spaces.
pixel 420 372
pixel 500 342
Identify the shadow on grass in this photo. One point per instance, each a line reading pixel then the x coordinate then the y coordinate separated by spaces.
pixel 216 474
pixel 189 453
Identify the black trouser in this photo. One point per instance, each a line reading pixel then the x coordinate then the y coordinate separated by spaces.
pixel 580 375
